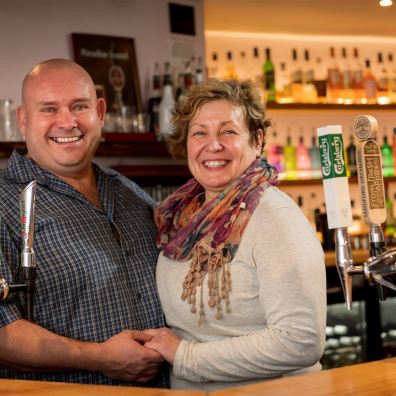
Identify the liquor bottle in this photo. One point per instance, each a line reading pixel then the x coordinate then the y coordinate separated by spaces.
pixel 269 77
pixel 296 79
pixel 370 84
pixel 255 73
pixel 230 69
pixel 382 81
pixel 275 152
pixel 155 99
pixel 334 81
pixel 289 159
pixel 166 105
pixel 309 91
pixel 387 157
pixel 320 81
pixel 283 85
pixel 390 223
pixel 392 79
pixel 241 66
pixel 314 154
pixel 199 72
pixel 303 160
pixel 394 150
pixel 351 157
pixel 213 71
pixel 359 95
pixel 346 79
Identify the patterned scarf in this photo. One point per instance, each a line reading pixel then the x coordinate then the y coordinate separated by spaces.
pixel 210 233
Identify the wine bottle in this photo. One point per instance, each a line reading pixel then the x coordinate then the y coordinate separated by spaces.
pixel 155 99
pixel 346 90
pixel 166 105
pixel 309 91
pixel 370 83
pixel 269 77
pixel 382 81
pixel 289 158
pixel 351 157
pixel 296 79
pixel 387 157
pixel 230 69
pixel 283 85
pixel 334 78
pixel 314 154
pixel 303 160
pixel 358 79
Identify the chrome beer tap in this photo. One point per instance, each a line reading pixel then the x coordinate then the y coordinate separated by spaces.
pixel 27 273
pixel 339 214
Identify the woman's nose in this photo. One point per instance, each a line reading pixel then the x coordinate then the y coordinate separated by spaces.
pixel 215 145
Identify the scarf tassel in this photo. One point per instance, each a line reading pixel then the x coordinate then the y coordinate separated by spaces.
pixel 219 281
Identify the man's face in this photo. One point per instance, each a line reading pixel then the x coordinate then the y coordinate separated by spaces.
pixel 61 120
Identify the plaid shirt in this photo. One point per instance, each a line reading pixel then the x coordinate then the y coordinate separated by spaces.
pixel 95 267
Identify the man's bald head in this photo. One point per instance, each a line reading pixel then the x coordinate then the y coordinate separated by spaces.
pixel 50 66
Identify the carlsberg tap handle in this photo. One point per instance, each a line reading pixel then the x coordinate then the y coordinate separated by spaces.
pixel 335 181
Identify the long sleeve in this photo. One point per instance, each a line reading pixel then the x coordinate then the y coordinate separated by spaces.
pixel 281 246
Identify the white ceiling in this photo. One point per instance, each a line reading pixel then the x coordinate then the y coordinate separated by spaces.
pixel 329 17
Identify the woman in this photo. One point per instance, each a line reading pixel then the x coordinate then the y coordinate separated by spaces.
pixel 241 275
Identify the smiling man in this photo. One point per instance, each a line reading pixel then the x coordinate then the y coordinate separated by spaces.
pixel 94 245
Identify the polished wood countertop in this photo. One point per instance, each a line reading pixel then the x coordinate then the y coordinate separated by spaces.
pixel 367 379
pixel 39 388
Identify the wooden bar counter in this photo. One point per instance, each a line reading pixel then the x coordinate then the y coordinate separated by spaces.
pixel 367 379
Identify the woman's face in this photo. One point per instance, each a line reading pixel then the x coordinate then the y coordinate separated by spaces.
pixel 218 147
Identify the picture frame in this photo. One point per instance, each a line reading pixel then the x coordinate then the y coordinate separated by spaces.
pixel 111 63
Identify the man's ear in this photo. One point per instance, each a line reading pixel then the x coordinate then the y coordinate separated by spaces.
pixel 101 108
pixel 21 116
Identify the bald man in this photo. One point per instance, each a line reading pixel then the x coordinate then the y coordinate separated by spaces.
pixel 94 245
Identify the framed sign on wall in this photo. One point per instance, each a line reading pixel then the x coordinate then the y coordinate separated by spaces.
pixel 111 62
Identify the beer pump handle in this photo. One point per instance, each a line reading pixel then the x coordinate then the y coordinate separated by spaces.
pixel 338 203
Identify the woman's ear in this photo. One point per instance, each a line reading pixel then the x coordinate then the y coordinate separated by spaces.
pixel 259 142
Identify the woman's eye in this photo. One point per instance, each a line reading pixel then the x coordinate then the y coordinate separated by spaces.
pixel 229 132
pixel 197 133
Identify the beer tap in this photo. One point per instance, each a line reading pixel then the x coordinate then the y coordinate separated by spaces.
pixel 339 215
pixel 28 264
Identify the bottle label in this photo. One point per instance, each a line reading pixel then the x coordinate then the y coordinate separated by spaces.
pixel 332 156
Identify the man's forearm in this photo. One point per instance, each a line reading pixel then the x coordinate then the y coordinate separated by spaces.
pixel 28 347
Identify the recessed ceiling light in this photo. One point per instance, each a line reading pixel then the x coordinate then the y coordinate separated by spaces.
pixel 385 3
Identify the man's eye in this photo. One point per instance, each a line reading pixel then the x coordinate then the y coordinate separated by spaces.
pixel 48 109
pixel 79 107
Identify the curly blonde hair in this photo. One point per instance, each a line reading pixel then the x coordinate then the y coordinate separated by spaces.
pixel 243 94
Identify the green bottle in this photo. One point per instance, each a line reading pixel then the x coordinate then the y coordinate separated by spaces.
pixel 269 77
pixel 387 158
pixel 290 159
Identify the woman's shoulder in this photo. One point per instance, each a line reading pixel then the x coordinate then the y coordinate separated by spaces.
pixel 274 199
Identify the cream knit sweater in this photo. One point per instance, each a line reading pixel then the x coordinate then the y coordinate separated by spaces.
pixel 278 305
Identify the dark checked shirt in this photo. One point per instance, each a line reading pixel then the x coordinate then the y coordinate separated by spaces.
pixel 95 267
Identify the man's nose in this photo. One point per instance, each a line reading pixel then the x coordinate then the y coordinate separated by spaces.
pixel 66 119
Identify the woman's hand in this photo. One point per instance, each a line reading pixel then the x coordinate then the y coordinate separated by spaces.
pixel 164 341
